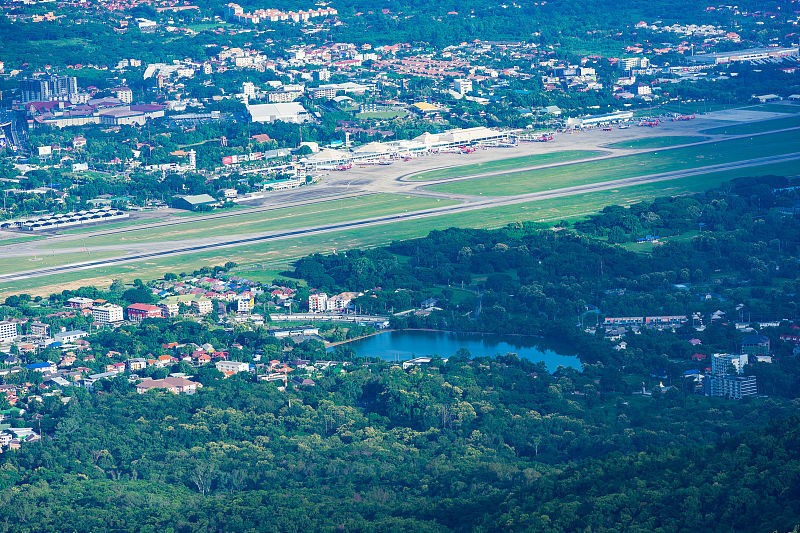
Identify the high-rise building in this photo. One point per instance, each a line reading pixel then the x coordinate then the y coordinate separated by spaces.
pixel 317 302
pixel 124 94
pixel 46 88
pixel 726 380
pixel 249 89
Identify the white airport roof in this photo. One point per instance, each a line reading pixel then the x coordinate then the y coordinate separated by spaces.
pixel 269 112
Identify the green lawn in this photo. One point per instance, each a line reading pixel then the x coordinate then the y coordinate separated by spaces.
pixel 504 164
pixel 286 218
pixel 48 259
pixel 777 108
pixel 756 127
pixel 694 107
pixel 116 225
pixel 17 240
pixel 383 115
pixel 626 166
pixel 657 142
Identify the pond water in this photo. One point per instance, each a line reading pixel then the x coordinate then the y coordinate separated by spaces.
pixel 403 345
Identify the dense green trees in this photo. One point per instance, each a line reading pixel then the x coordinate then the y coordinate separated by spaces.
pixel 479 444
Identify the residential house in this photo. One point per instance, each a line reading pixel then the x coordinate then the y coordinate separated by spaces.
pixel 232 366
pixel 175 385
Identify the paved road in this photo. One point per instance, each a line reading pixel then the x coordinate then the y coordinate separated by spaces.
pixel 184 247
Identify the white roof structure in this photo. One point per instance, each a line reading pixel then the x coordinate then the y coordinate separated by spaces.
pixel 286 112
pixel 459 137
pixel 348 87
pixel 374 148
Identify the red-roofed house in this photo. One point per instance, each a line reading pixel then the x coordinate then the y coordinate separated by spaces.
pixel 138 312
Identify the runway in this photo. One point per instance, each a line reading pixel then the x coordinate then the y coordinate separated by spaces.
pixel 198 245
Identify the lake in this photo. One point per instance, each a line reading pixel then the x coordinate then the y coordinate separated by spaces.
pixel 402 345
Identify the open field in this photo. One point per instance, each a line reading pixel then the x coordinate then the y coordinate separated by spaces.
pixel 17 238
pixel 777 108
pixel 691 108
pixel 657 142
pixel 43 260
pixel 114 225
pixel 383 115
pixel 278 219
pixel 626 166
pixel 271 257
pixel 756 127
pixel 504 164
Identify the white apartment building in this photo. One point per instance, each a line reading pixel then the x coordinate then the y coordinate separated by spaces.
pixel 244 305
pixel 107 314
pixel 170 309
pixel 8 331
pixel 232 366
pixel 317 302
pixel 249 89
pixel 462 86
pixel 202 307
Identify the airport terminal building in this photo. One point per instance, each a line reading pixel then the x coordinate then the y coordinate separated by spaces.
pixel 427 143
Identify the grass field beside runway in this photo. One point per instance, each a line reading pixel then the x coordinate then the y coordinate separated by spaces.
pixel 656 142
pixel 15 238
pixel 756 127
pixel 114 225
pixel 278 219
pixel 276 255
pixel 630 166
pixel 48 259
pixel 776 108
pixel 504 164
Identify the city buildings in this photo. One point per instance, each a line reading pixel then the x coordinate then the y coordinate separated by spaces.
pixel 79 302
pixel 67 337
pixel 46 88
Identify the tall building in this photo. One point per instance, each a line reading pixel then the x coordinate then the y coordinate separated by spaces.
pixel 462 86
pixel 629 63
pixel 107 314
pixel 317 302
pixel 47 88
pixel 125 95
pixel 249 89
pixel 8 331
pixel 726 380
pixel 202 307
